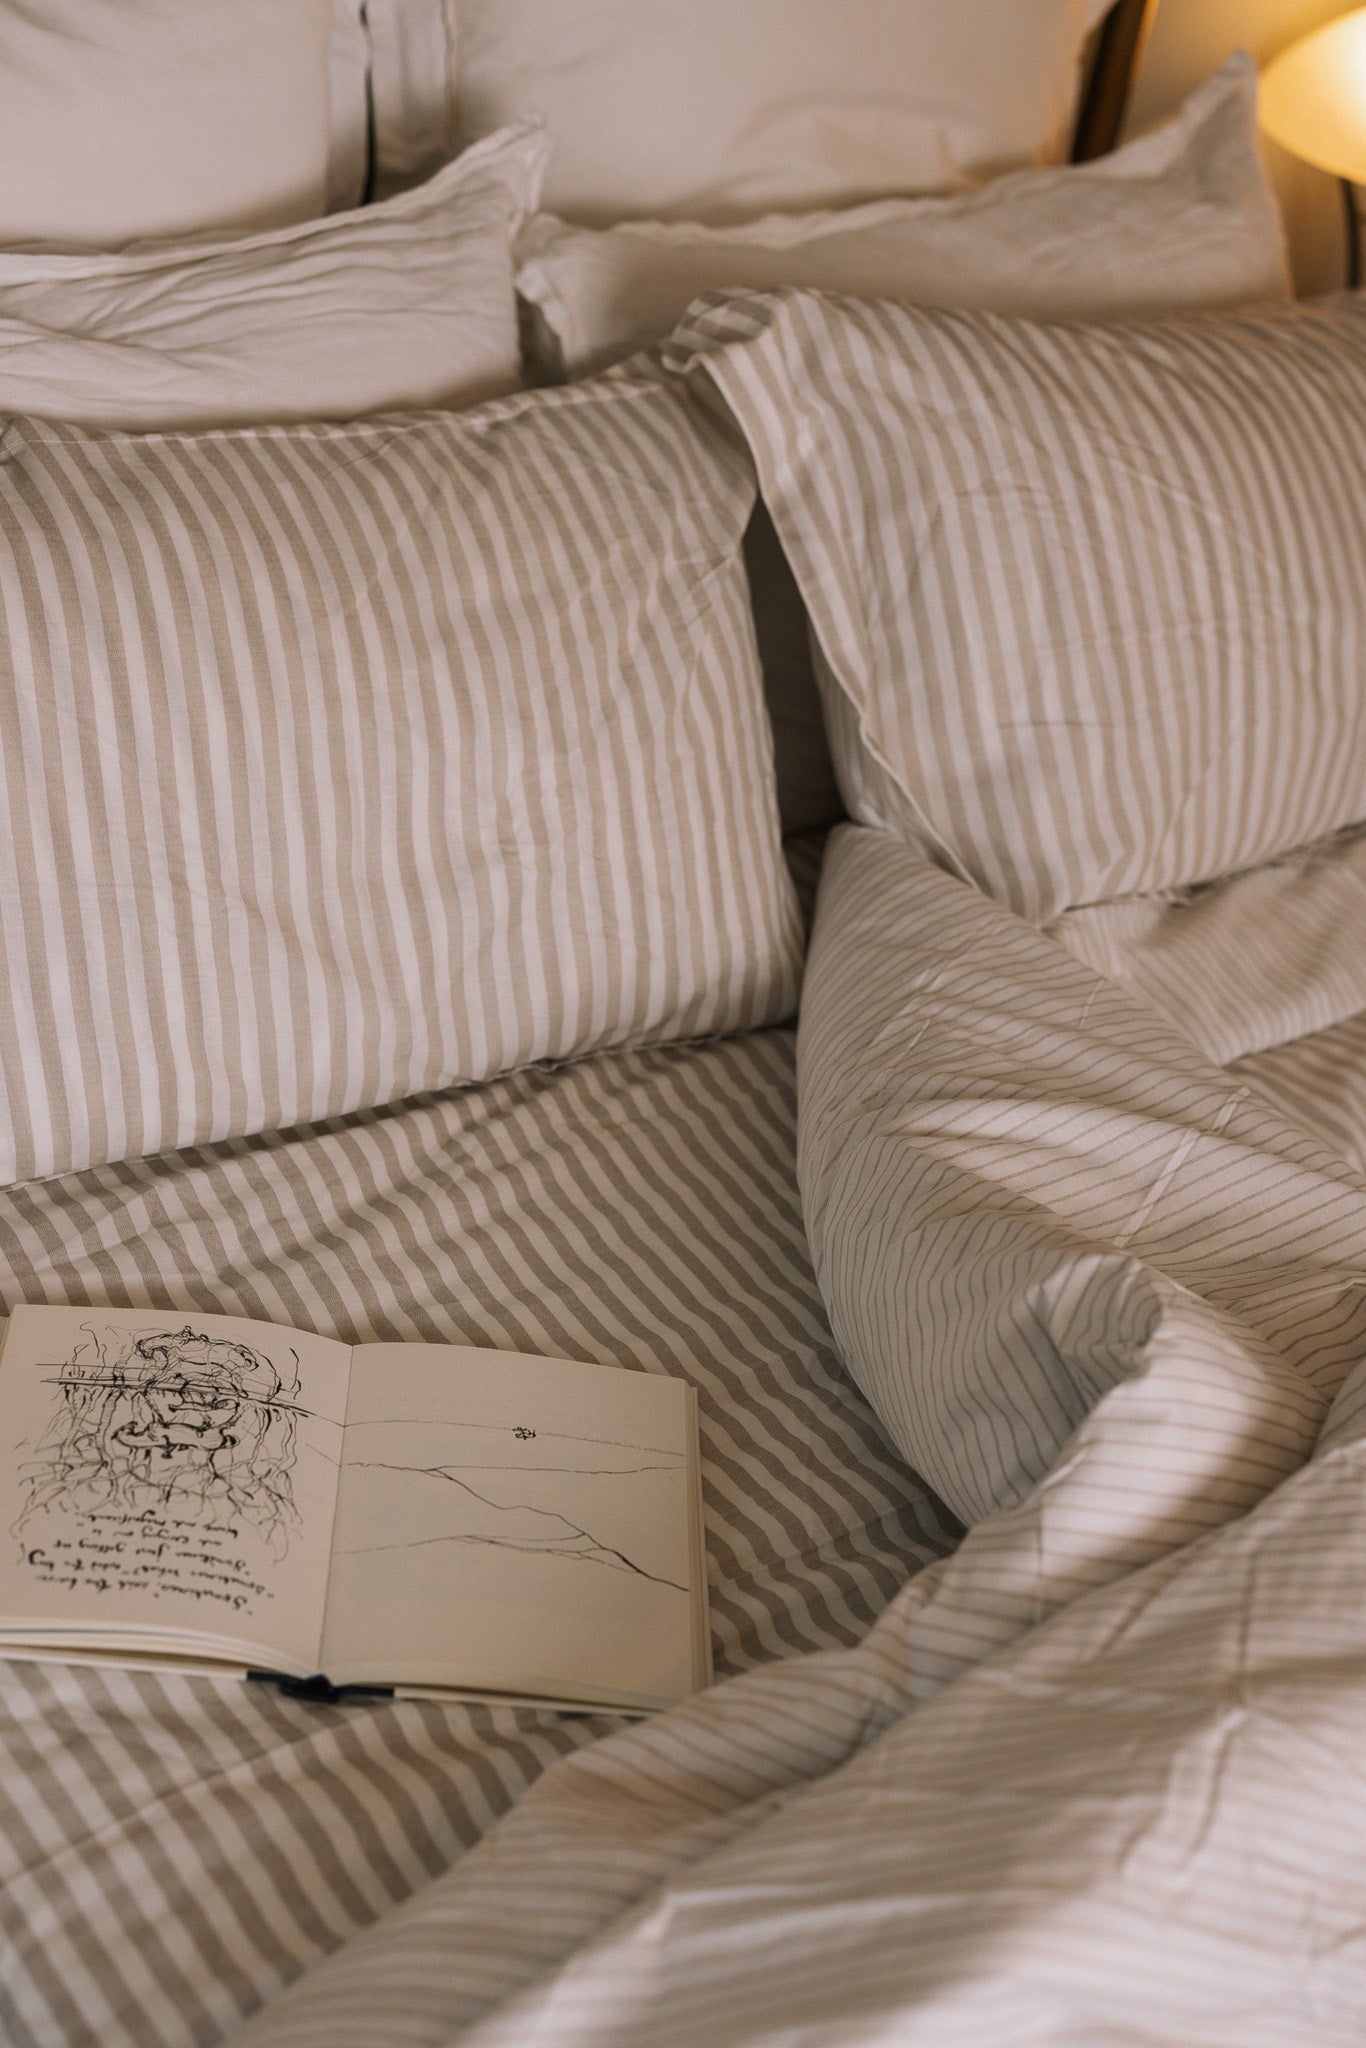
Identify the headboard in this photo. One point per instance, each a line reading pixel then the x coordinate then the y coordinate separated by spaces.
pixel 1108 70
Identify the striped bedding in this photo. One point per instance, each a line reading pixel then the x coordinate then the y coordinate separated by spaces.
pixel 346 760
pixel 1083 1778
pixel 173 1851
pixel 1090 1780
pixel 1074 1226
pixel 1092 599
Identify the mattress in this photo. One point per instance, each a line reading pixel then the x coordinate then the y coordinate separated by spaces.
pixel 173 1850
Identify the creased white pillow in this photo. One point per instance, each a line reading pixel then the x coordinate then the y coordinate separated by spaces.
pixel 343 762
pixel 402 304
pixel 124 118
pixel 1183 217
pixel 719 110
pixel 1092 598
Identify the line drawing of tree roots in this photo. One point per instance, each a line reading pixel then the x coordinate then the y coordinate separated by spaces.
pixel 172 1422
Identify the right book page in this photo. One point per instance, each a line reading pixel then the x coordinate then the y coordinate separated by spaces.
pixel 517 1525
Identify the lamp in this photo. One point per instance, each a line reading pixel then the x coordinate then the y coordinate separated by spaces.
pixel 1313 102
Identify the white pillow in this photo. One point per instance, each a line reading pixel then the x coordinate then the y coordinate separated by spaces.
pixel 343 762
pixel 403 304
pixel 1182 218
pixel 718 110
pixel 127 118
pixel 1093 599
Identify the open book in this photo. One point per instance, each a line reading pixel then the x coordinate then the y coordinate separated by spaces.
pixel 208 1492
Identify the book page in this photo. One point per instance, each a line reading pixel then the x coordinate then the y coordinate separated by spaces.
pixel 168 1473
pixel 515 1524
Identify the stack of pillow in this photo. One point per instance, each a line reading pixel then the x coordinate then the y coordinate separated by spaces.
pixel 351 754
pixel 1181 218
pixel 671 154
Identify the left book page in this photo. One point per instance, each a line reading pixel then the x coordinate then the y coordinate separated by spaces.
pixel 168 1483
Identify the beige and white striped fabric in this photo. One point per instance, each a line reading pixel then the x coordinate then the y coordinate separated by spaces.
pixel 1025 1186
pixel 1265 972
pixel 1094 597
pixel 1088 1779
pixel 1257 960
pixel 1318 1082
pixel 340 762
pixel 1091 1779
pixel 173 1851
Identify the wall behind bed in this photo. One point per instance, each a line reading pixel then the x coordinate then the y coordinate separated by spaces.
pixel 1189 40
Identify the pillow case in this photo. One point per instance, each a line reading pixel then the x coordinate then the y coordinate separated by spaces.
pixel 407 303
pixel 343 762
pixel 1182 218
pixel 1092 599
pixel 125 118
pixel 724 109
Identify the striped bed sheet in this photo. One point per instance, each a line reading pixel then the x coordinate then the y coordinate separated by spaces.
pixel 186 1861
pixel 174 1850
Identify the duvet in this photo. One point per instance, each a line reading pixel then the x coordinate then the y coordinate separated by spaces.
pixel 1094 1777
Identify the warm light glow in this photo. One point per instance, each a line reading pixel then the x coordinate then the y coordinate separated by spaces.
pixel 1313 97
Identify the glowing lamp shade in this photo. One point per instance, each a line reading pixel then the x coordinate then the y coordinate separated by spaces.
pixel 1313 97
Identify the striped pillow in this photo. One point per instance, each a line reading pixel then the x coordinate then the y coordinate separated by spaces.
pixel 1094 598
pixel 343 762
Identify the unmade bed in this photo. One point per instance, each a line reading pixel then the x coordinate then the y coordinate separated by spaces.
pixel 400 941
pixel 177 1850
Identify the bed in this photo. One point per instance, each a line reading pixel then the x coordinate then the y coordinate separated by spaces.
pixel 1029 1354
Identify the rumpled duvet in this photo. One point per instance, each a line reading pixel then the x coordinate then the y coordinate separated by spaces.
pixel 1098 1778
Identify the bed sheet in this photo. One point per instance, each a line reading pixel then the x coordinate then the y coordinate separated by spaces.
pixel 1089 1779
pixel 174 1850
